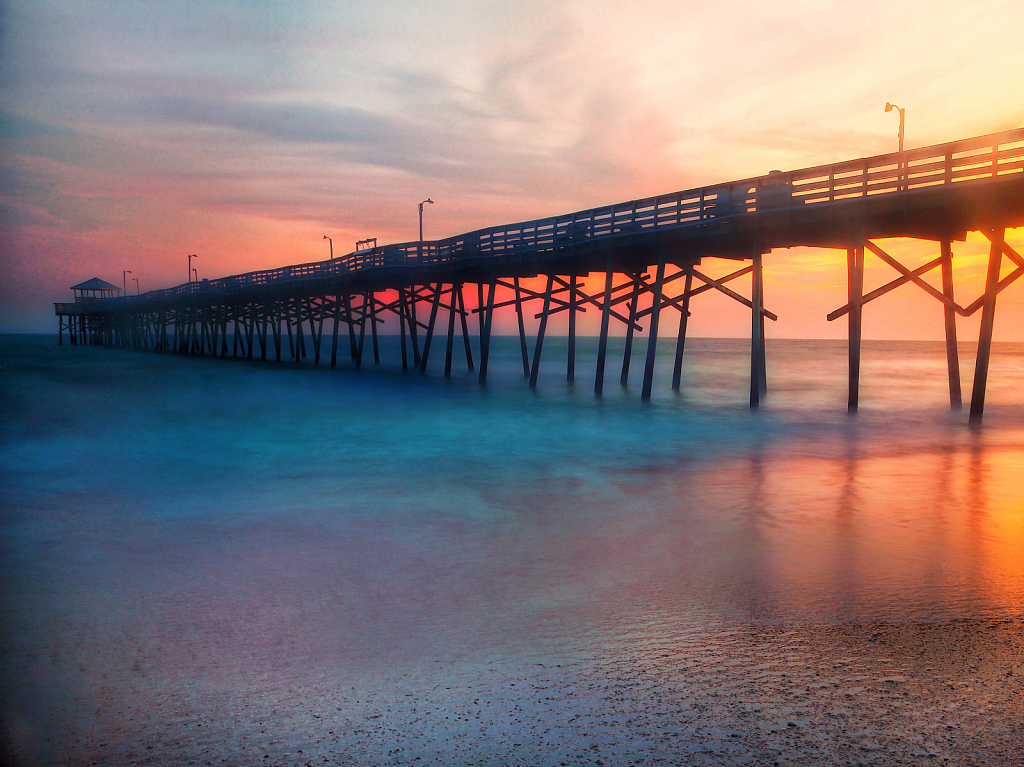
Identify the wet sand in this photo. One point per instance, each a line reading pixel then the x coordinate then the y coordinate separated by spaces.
pixel 882 694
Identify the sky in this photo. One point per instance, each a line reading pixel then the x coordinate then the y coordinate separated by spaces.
pixel 134 133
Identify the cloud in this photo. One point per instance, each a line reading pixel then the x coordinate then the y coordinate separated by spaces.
pixel 16 127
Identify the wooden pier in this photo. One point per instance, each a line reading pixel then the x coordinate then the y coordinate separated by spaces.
pixel 652 246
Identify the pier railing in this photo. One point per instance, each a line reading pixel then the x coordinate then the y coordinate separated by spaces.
pixel 980 159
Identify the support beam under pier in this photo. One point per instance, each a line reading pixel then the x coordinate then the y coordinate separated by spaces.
pixel 988 316
pixel 855 293
pixel 758 379
pixel 949 316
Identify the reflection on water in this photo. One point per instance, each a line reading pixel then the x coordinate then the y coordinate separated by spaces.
pixel 168 518
pixel 793 511
pixel 869 532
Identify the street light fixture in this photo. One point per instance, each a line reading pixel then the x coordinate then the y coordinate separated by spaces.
pixel 190 270
pixel 903 113
pixel 136 285
pixel 332 245
pixel 124 280
pixel 421 215
pixel 195 273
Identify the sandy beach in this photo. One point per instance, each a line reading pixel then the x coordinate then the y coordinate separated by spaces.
pixel 945 693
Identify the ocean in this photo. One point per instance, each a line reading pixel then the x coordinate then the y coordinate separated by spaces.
pixel 240 562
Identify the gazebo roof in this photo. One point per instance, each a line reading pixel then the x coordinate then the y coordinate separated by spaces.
pixel 95 284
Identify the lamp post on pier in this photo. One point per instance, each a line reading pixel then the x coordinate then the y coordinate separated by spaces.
pixel 191 256
pixel 332 245
pixel 903 114
pixel 421 215
pixel 136 285
pixel 124 280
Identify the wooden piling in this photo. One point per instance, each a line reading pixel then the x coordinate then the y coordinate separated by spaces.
pixel 480 317
pixel 652 335
pixel 570 365
pixel 756 331
pixel 288 325
pixel 351 327
pixel 263 336
pixel 202 332
pixel 684 316
pixel 465 330
pixel 224 331
pixel 276 328
pixel 414 326
pixel 486 319
pixel 949 318
pixel 430 328
pixel 602 343
pixel 362 334
pixel 401 327
pixel 334 333
pixel 373 327
pixel 522 330
pixel 988 316
pixel 251 326
pixel 535 370
pixel 215 332
pixel 300 338
pixel 627 352
pixel 855 294
pixel 451 332
pixel 316 332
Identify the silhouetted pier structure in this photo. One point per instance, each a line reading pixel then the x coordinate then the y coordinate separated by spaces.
pixel 936 193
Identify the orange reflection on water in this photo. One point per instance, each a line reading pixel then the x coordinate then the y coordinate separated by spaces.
pixel 1000 524
pixel 874 531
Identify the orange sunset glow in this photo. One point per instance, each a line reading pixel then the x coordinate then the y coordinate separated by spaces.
pixel 135 134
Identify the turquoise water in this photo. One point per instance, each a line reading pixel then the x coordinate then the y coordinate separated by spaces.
pixel 173 526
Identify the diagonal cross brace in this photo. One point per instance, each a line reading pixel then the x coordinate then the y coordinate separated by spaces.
pixel 1008 251
pixel 912 277
pixel 529 294
pixel 673 302
pixel 878 292
pixel 565 305
pixel 721 280
pixel 1004 283
pixel 710 285
pixel 1008 280
pixel 717 285
pixel 584 298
